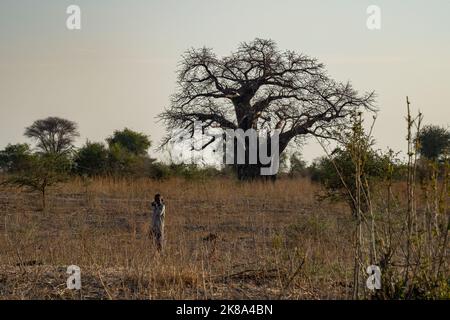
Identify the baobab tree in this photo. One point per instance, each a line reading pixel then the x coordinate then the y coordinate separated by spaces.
pixel 259 87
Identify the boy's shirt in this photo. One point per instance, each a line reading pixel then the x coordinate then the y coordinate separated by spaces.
pixel 159 211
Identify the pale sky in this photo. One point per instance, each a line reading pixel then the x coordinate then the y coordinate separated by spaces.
pixel 119 70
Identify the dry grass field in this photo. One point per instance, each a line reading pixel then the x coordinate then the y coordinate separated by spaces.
pixel 225 240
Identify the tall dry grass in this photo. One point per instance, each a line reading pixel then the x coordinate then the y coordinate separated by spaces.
pixel 225 239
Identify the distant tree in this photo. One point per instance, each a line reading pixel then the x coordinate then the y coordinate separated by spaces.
pixel 92 159
pixel 159 171
pixel 337 173
pixel 120 159
pixel 284 162
pixel 53 134
pixel 298 165
pixel 41 172
pixel 259 87
pixel 134 142
pixel 434 141
pixel 15 157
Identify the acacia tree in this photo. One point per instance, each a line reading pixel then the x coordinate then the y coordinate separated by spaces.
pixel 15 157
pixel 53 135
pixel 41 172
pixel 434 142
pixel 50 166
pixel 259 87
pixel 134 142
pixel 91 159
pixel 128 152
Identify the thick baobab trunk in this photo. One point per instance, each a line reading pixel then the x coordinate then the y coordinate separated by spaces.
pixel 249 170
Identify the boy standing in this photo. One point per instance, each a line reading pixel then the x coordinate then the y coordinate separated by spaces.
pixel 159 211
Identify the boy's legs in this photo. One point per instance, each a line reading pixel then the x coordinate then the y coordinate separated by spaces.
pixel 158 238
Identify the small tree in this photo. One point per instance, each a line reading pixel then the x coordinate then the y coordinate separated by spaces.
pixel 120 159
pixel 92 159
pixel 298 165
pixel 42 171
pixel 134 142
pixel 351 167
pixel 15 157
pixel 434 141
pixel 128 152
pixel 53 134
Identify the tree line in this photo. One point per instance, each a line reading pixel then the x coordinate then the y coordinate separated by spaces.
pixel 125 153
pixel 54 158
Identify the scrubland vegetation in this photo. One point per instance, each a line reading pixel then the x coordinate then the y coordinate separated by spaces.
pixel 309 234
pixel 226 239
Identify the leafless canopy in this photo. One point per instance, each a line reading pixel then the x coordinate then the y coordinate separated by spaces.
pixel 260 87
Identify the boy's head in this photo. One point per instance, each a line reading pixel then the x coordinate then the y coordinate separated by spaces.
pixel 158 198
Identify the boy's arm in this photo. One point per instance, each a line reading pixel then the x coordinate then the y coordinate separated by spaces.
pixel 152 206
